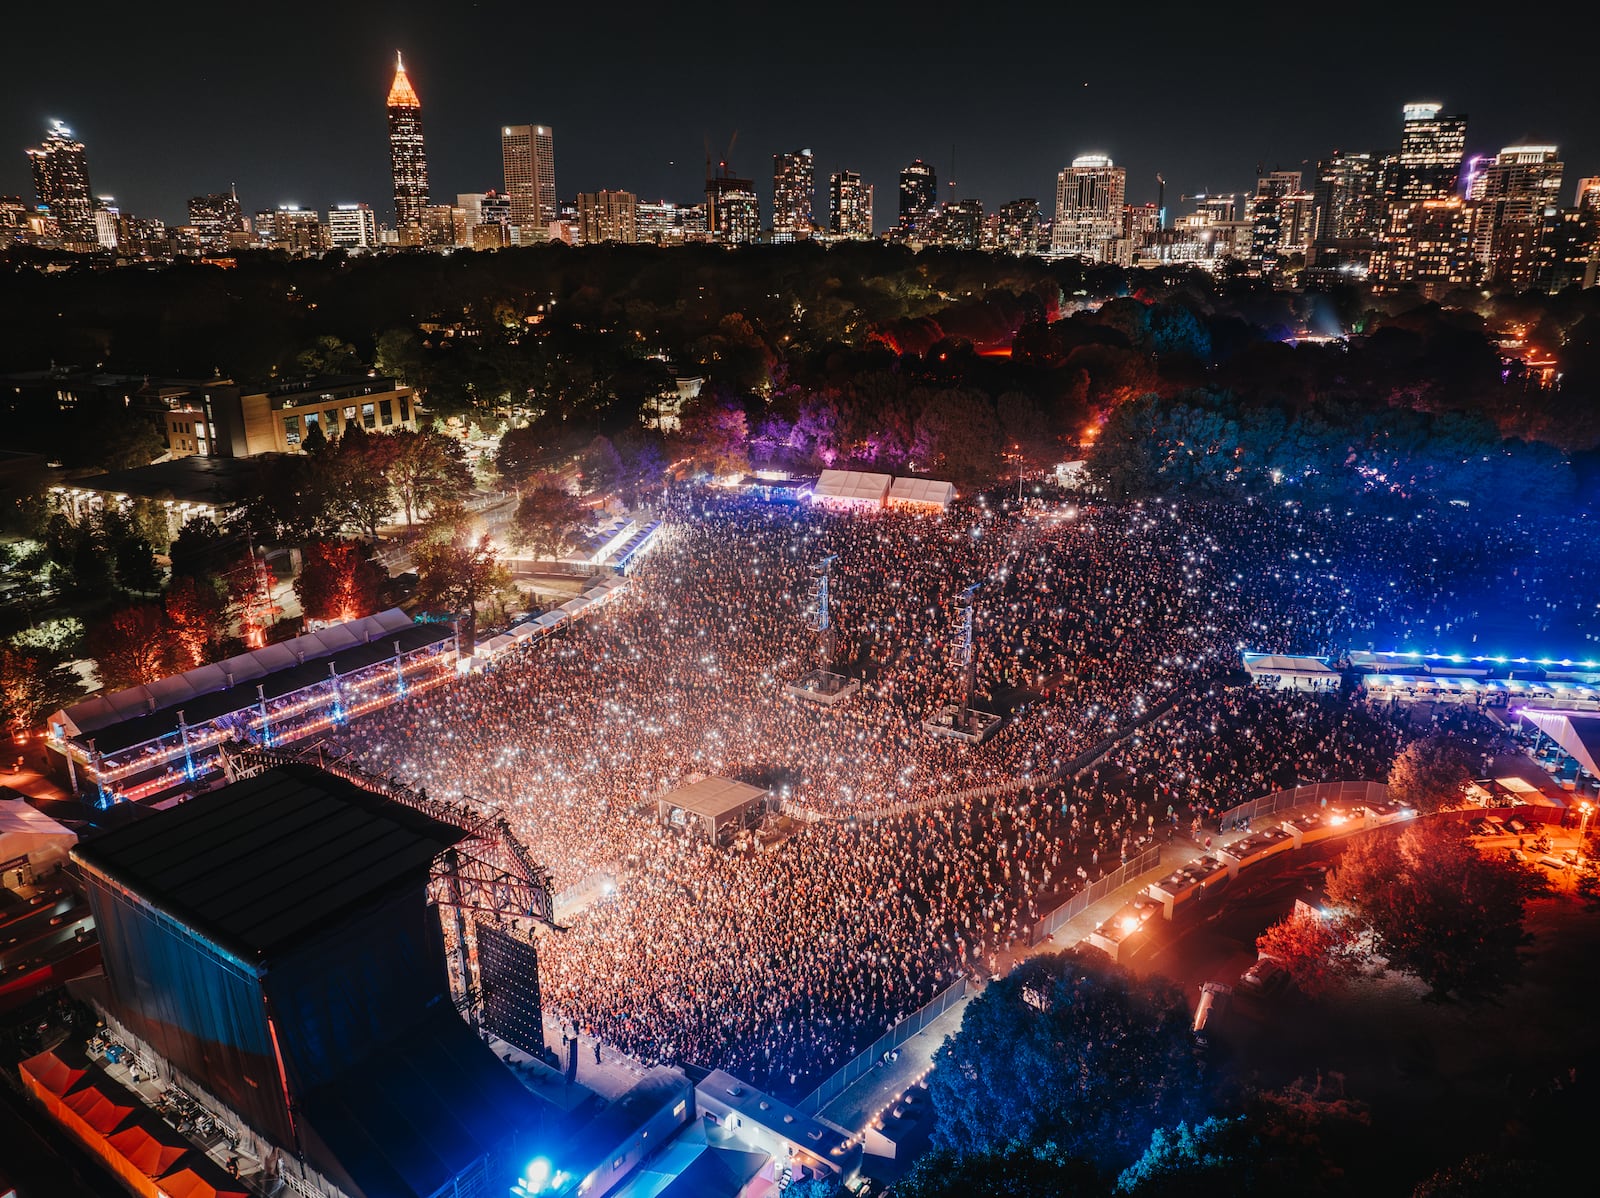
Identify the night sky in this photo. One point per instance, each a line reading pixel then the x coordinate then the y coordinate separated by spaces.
pixel 287 101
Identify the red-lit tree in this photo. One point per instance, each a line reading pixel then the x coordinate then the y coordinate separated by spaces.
pixel 132 647
pixel 1317 951
pixel 198 617
pixel 337 582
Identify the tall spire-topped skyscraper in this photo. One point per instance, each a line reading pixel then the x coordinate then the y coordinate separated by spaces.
pixel 61 177
pixel 408 160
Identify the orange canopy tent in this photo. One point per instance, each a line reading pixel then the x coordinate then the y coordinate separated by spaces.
pixel 51 1073
pixel 147 1151
pixel 96 1110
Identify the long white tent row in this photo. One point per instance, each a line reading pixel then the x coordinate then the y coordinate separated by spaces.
pixel 1487 692
pixel 870 490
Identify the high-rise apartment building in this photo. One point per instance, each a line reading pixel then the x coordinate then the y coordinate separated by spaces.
pixel 107 223
pixel 1588 195
pixel 1516 189
pixel 408 159
pixel 1089 199
pixel 957 226
pixel 793 187
pixel 733 213
pixel 608 216
pixel 298 230
pixel 1017 227
pixel 528 156
pixel 1280 215
pixel 61 181
pixel 919 197
pixel 217 219
pixel 1432 245
pixel 353 227
pixel 849 207
pixel 1432 147
pixel 1345 198
pixel 665 223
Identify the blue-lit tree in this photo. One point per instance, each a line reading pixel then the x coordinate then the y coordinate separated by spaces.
pixel 1069 1051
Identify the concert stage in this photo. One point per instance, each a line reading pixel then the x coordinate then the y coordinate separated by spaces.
pixel 971 725
pixel 820 686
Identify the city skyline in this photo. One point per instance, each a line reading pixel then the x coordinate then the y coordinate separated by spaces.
pixel 320 142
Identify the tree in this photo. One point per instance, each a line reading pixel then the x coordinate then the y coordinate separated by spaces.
pixel 547 521
pixel 428 469
pixel 1318 951
pixel 1208 1158
pixel 198 617
pixel 337 582
pixel 131 647
pixel 329 355
pixel 456 571
pixel 197 547
pixel 1069 1051
pixel 361 464
pixel 136 565
pixel 1438 909
pixel 714 435
pixel 1483 1175
pixel 601 465
pixel 1429 774
pixel 30 689
pixel 1015 1171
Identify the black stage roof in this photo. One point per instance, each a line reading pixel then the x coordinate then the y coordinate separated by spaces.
pixel 259 865
pixel 204 708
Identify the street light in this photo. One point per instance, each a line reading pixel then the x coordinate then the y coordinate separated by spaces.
pixel 1583 827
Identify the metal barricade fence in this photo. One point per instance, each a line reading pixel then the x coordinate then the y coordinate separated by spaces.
pixel 1075 906
pixel 863 1062
pixel 1238 818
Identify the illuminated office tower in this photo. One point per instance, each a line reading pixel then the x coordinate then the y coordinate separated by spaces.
pixel 61 180
pixel 1588 197
pixel 849 207
pixel 1089 198
pixel 919 197
pixel 408 159
pixel 352 227
pixel 1345 198
pixel 1432 147
pixel 1017 227
pixel 608 216
pixel 216 218
pixel 528 155
pixel 1516 190
pixel 792 189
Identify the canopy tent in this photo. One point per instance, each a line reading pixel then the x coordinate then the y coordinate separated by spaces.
pixel 711 805
pixel 102 711
pixel 921 492
pixel 1290 671
pixel 851 488
pixel 27 831
pixel 1577 732
pixel 50 1073
pixel 96 1110
pixel 152 1149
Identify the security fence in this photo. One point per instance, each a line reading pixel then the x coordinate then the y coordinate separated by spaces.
pixel 1075 906
pixel 1238 818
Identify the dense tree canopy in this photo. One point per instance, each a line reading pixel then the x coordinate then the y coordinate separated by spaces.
pixel 1079 1054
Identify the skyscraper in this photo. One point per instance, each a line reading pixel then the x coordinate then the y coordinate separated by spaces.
pixel 352 227
pixel 1346 198
pixel 919 197
pixel 1017 227
pixel 1515 190
pixel 408 160
pixel 216 217
pixel 608 216
pixel 1432 146
pixel 849 207
pixel 1588 195
pixel 528 155
pixel 1089 198
pixel 61 179
pixel 733 213
pixel 792 189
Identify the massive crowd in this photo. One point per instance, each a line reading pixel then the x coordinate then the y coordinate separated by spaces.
pixel 1096 626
